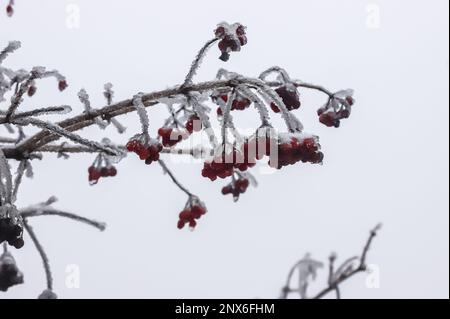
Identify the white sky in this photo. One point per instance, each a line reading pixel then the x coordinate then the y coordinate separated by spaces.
pixel 388 163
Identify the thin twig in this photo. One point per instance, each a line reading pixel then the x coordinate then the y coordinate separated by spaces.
pixel 172 176
pixel 40 249
pixel 52 212
pixel 197 61
pixel 361 268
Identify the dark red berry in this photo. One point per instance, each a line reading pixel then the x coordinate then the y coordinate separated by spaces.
pixel 31 90
pixel 9 10
pixel 62 85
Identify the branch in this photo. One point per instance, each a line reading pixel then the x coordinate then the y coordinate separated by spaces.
pixel 362 267
pixel 52 212
pixel 173 178
pixel 42 253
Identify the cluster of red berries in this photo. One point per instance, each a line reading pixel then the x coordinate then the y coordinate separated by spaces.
pixel 290 97
pixel 10 275
pixel 232 37
pixel 11 232
pixel 223 166
pixel 171 136
pixel 190 215
pixel 193 124
pixel 95 173
pixel 239 103
pixel 236 187
pixel 331 117
pixel 296 149
pixel 148 152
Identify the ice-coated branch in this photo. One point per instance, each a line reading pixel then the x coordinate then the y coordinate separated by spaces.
pixel 63 109
pixel 17 97
pixel 197 62
pixel 67 134
pixel 227 118
pixel 344 275
pixel 275 69
pixel 6 186
pixel 10 48
pixel 174 179
pixel 40 249
pixel 84 99
pixel 142 113
pixel 259 104
pixel 26 213
pixel 19 174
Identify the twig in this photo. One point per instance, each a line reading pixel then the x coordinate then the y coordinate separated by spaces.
pixel 52 212
pixel 174 179
pixel 197 61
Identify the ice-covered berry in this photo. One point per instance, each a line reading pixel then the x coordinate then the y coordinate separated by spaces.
pixel 193 124
pixel 171 136
pixel 11 226
pixel 293 148
pixel 236 187
pixel 10 275
pixel 231 38
pixel 146 148
pixel 193 211
pixel 289 96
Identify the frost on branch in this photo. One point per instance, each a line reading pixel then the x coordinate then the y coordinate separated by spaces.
pixel 338 107
pixel 10 275
pixel 229 156
pixel 232 38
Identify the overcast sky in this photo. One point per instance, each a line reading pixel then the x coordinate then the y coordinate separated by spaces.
pixel 388 163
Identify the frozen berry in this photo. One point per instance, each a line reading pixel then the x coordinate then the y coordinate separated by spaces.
pixel 10 275
pixel 290 98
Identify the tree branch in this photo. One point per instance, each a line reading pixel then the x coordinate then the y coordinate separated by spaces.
pixel 362 267
pixel 52 212
pixel 40 249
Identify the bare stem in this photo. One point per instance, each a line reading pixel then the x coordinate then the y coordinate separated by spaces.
pixel 42 253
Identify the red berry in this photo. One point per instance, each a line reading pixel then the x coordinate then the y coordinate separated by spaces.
pixel 31 90
pixel 240 30
pixel 220 32
pixel 112 171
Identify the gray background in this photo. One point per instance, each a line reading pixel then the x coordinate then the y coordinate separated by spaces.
pixel 388 163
